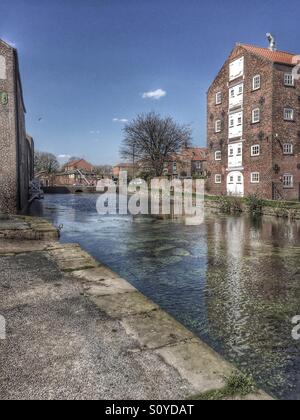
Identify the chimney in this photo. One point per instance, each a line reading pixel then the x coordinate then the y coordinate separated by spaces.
pixel 272 42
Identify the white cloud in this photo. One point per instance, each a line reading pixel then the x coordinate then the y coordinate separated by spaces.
pixel 95 132
pixel 63 156
pixel 155 94
pixel 120 120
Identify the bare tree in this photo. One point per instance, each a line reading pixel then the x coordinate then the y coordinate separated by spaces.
pixel 45 162
pixel 152 140
pixel 103 170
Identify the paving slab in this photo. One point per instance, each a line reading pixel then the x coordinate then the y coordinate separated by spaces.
pixel 155 329
pixel 124 304
pixel 100 282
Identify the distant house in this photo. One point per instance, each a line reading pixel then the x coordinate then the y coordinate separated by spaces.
pixel 79 164
pixel 190 162
pixel 128 167
pixel 76 172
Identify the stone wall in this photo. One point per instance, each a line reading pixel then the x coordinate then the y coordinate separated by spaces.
pixel 16 149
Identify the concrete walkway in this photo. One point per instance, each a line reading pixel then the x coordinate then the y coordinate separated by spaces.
pixel 75 330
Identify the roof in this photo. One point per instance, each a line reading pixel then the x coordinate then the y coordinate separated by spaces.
pixel 124 165
pixel 274 56
pixel 74 162
pixel 196 153
pixel 193 154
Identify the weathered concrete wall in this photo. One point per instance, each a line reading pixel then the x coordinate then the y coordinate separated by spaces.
pixel 16 149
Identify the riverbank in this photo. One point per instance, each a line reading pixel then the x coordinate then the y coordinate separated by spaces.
pixel 75 329
pixel 282 209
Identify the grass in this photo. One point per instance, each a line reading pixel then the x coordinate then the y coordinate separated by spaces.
pixel 237 385
pixel 265 203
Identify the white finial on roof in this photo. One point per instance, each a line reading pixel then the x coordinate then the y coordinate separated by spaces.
pixel 272 42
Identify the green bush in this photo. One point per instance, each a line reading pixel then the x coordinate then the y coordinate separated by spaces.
pixel 229 205
pixel 255 204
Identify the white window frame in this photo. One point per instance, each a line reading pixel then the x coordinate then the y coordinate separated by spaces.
pixel 255 177
pixel 256 82
pixel 254 148
pixel 218 98
pixel 218 179
pixel 218 155
pixel 218 126
pixel 288 149
pixel 256 116
pixel 289 79
pixel 286 111
pixel 289 184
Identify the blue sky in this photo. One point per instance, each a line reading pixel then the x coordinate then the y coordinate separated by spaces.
pixel 86 64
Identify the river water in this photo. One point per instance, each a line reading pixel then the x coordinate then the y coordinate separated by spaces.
pixel 233 281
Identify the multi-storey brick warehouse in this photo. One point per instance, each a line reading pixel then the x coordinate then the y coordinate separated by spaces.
pixel 16 148
pixel 254 125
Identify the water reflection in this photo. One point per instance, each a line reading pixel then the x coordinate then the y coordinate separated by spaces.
pixel 234 281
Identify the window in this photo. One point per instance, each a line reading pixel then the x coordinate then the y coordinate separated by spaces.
pixel 218 155
pixel 239 180
pixel 289 79
pixel 288 114
pixel 288 181
pixel 256 116
pixel 255 150
pixel 239 151
pixel 241 89
pixel 256 82
pixel 174 167
pixel 218 98
pixel 231 123
pixel 255 177
pixel 231 152
pixel 218 126
pixel 231 180
pixel 287 149
pixel 218 179
pixel 239 121
pixel 198 165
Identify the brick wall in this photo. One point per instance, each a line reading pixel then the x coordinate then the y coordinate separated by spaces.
pixel 15 149
pixel 270 133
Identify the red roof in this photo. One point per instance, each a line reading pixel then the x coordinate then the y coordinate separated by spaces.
pixel 196 153
pixel 275 56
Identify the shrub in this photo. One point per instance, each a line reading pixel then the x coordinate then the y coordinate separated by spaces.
pixel 230 205
pixel 255 204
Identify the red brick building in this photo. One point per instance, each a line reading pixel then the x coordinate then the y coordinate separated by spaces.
pixel 124 167
pixel 79 164
pixel 191 162
pixel 253 125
